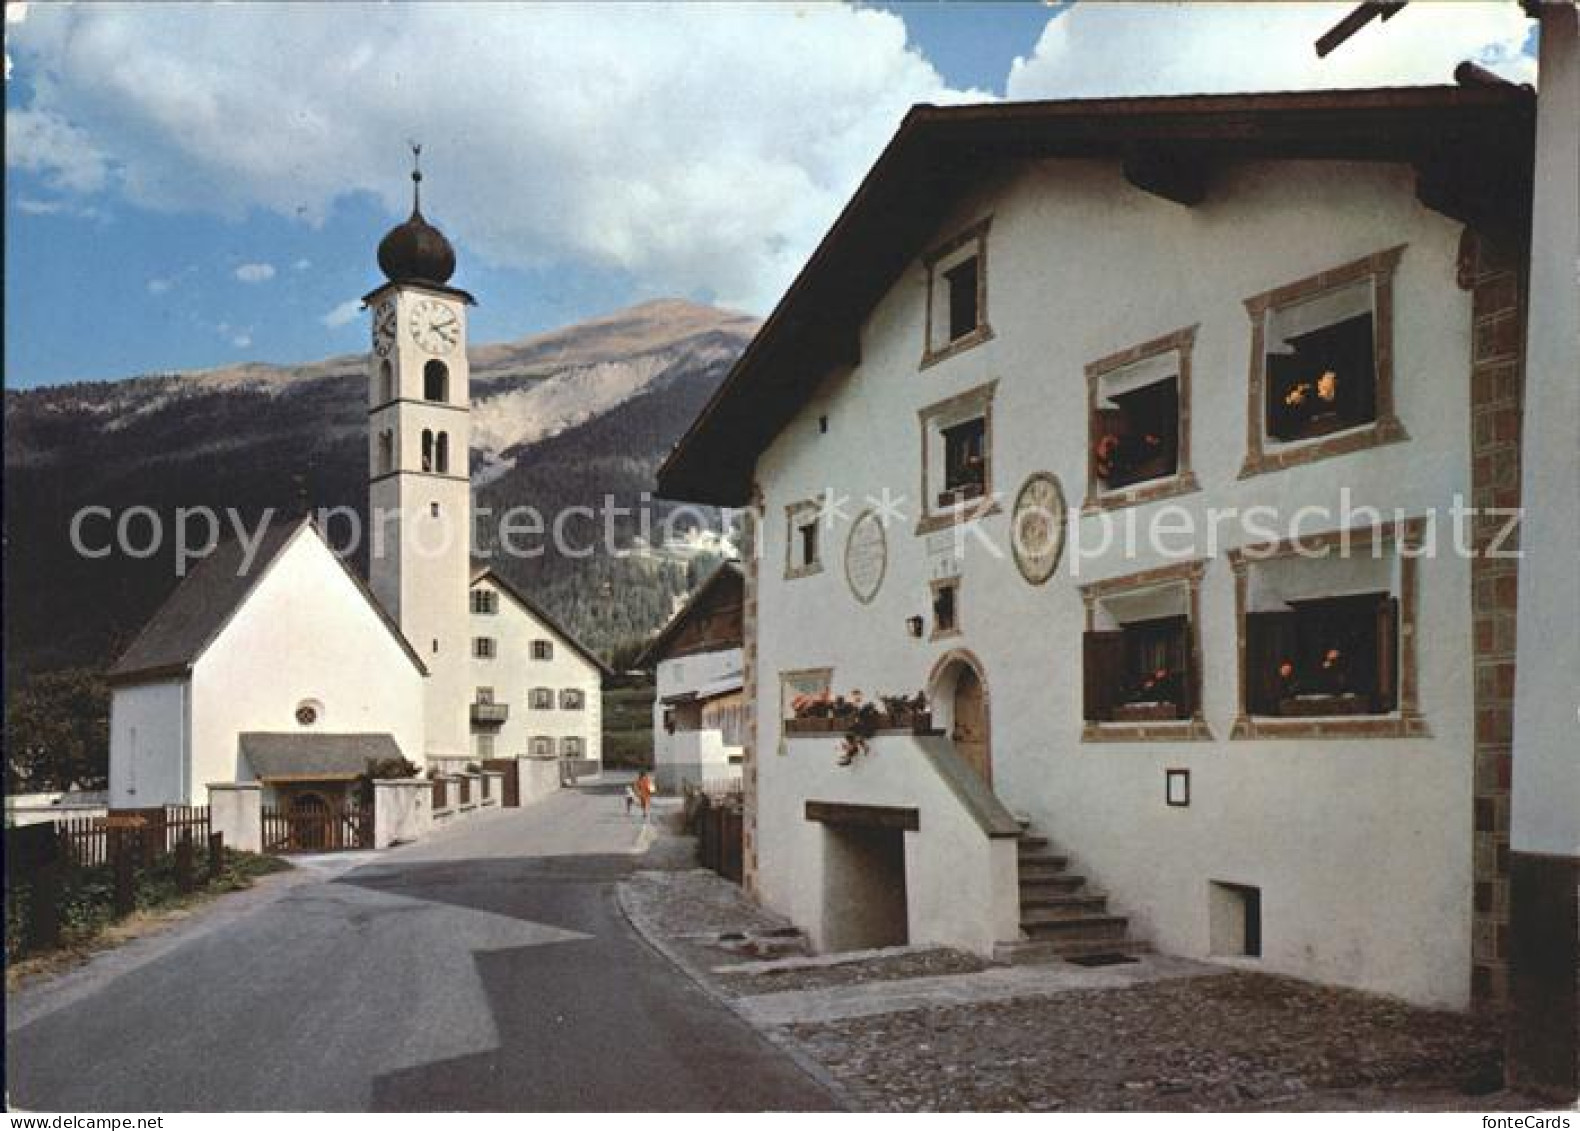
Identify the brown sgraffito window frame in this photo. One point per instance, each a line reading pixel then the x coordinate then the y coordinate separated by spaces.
pixel 976 401
pixel 976 234
pixel 1183 481
pixel 1407 722
pixel 1380 268
pixel 934 588
pixel 795 519
pixel 1193 729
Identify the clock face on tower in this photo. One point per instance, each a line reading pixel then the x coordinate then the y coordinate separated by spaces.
pixel 434 326
pixel 384 329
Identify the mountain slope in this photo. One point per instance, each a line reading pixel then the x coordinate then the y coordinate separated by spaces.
pixel 560 419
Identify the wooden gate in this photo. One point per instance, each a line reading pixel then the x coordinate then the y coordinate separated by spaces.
pixel 511 779
pixel 320 827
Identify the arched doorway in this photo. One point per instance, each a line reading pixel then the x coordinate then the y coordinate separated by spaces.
pixel 959 693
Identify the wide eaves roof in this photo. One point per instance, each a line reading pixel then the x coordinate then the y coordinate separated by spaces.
pixel 1471 147
pixel 314 756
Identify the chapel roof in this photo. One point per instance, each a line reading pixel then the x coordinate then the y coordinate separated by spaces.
pixel 313 755
pixel 208 598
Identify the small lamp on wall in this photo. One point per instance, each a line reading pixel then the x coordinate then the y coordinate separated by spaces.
pixel 914 626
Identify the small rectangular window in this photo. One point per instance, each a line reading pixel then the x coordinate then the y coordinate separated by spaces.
pixel 946 608
pixel 542 649
pixel 957 316
pixel 485 601
pixel 1321 365
pixel 1136 435
pixel 572 699
pixel 1324 657
pixel 541 699
pixel 570 747
pixel 483 647
pixel 803 546
pixel 963 291
pixel 965 461
pixel 1137 660
pixel 807 534
pixel 542 746
pixel 485 695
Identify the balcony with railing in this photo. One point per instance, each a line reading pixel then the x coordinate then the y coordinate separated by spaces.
pixel 490 714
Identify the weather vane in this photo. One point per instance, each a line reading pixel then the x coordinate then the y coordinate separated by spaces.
pixel 416 175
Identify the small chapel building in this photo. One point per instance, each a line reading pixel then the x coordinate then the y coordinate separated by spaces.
pixel 274 662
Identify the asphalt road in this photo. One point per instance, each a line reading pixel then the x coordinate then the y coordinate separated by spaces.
pixel 486 969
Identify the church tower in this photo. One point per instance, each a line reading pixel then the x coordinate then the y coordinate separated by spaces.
pixel 419 482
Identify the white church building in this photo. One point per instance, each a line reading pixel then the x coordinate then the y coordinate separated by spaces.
pixel 272 661
pixel 1035 322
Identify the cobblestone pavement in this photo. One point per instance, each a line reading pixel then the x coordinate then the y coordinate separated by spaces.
pixel 1236 1041
pixel 1232 1041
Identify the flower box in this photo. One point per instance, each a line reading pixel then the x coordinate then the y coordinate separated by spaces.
pixel 812 726
pixel 1146 713
pixel 1324 706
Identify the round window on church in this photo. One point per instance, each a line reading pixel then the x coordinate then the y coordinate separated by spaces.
pixel 309 711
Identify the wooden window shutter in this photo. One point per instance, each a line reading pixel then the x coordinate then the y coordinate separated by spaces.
pixel 1386 694
pixel 1269 640
pixel 1186 668
pixel 1103 668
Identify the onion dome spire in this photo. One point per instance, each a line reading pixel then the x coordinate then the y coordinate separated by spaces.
pixel 415 251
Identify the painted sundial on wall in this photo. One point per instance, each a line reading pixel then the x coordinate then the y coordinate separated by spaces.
pixel 866 557
pixel 1037 527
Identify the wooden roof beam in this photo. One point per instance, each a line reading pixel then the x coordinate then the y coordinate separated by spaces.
pixel 1171 174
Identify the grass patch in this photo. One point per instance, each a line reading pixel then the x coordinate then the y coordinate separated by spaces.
pixel 87 901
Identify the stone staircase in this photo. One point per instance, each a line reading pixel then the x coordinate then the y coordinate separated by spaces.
pixel 1060 916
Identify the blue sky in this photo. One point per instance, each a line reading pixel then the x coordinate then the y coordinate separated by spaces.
pixel 195 186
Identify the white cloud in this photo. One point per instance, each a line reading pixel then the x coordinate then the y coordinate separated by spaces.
pixel 42 141
pixel 699 148
pixel 160 286
pixel 241 341
pixel 255 272
pixel 1092 50
pixel 344 314
pixel 301 265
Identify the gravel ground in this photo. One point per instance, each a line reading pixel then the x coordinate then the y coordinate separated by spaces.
pixel 1233 1042
pixel 694 902
pixel 886 969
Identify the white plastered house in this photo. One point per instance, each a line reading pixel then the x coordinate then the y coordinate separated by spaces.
pixel 271 661
pixel 699 710
pixel 537 691
pixel 1108 309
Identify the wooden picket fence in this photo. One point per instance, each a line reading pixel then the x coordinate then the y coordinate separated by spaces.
pixel 87 841
pixel 720 839
pixel 40 859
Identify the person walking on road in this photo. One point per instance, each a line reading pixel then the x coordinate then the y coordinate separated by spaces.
pixel 644 793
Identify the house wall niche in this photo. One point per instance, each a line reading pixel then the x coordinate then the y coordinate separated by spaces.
pixel 864 903
pixel 1171 600
pixel 1234 913
pixel 1275 582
